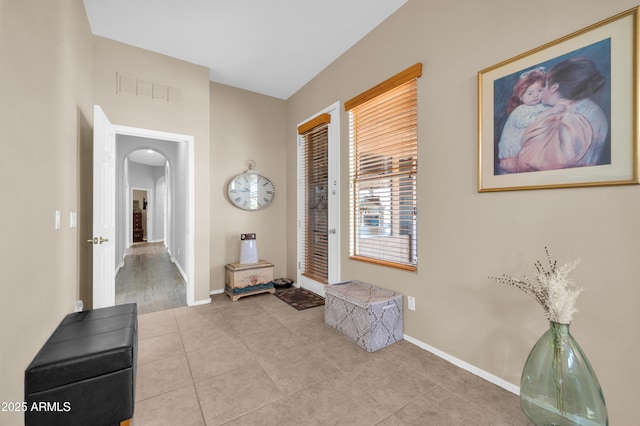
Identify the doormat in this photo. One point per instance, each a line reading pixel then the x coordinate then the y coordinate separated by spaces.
pixel 299 298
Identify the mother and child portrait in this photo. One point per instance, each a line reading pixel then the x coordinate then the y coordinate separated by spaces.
pixel 556 114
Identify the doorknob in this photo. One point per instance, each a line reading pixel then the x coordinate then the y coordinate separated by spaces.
pixel 97 240
pixel 332 230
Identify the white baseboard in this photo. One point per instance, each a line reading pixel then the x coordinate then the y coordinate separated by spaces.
pixel 184 275
pixel 121 264
pixel 212 292
pixel 466 366
pixel 201 302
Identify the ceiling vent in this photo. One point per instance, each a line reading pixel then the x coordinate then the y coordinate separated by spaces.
pixel 130 85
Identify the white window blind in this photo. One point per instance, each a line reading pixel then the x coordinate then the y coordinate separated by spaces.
pixel 314 262
pixel 383 131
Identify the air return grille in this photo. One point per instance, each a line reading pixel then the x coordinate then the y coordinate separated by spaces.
pixel 130 85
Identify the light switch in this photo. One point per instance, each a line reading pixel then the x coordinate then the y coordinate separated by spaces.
pixel 73 219
pixel 57 219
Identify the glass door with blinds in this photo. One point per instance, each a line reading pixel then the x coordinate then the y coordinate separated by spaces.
pixel 318 200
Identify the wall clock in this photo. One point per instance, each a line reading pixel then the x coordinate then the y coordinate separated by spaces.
pixel 250 190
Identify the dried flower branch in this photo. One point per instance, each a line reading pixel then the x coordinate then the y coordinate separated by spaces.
pixel 552 289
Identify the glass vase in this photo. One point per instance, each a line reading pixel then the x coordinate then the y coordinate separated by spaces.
pixel 558 385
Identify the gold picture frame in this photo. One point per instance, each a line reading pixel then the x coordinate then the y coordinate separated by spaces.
pixel 578 124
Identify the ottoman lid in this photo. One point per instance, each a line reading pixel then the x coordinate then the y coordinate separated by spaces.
pixel 247 266
pixel 361 293
pixel 85 345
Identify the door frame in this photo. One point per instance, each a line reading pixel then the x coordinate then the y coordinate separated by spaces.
pixel 189 273
pixel 334 203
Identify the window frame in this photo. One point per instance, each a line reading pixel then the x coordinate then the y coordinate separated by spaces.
pixel 391 211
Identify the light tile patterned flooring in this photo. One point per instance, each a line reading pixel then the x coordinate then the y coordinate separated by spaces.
pixel 258 361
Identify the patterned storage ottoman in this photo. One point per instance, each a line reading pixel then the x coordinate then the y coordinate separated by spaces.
pixel 368 315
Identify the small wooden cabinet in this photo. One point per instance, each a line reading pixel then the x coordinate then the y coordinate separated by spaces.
pixel 138 231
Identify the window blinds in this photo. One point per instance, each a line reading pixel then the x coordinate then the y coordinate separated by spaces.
pixel 314 173
pixel 383 124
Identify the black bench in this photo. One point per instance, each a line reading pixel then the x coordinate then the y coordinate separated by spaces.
pixel 85 373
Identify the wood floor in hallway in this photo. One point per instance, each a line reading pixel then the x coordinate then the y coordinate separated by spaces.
pixel 150 279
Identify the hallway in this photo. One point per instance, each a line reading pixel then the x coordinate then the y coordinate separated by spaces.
pixel 150 279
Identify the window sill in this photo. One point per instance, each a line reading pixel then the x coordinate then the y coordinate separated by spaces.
pixel 411 268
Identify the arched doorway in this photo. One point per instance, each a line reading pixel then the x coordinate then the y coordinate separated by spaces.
pixel 170 202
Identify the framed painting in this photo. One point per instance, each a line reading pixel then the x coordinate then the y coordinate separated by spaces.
pixel 564 114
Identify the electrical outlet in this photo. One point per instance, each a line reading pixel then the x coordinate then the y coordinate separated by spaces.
pixel 411 303
pixel 79 306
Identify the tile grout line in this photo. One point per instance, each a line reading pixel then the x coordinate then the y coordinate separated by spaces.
pixel 193 381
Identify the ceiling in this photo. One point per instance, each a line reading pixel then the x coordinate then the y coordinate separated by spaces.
pixel 148 157
pixel 268 47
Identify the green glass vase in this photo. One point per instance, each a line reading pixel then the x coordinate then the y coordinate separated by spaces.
pixel 558 385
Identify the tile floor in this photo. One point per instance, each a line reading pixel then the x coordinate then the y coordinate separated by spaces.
pixel 258 361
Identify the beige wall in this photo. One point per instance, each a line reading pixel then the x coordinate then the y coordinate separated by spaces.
pixel 465 236
pixel 189 116
pixel 246 126
pixel 46 112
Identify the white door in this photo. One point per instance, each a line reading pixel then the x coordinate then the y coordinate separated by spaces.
pixel 104 198
pixel 331 229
